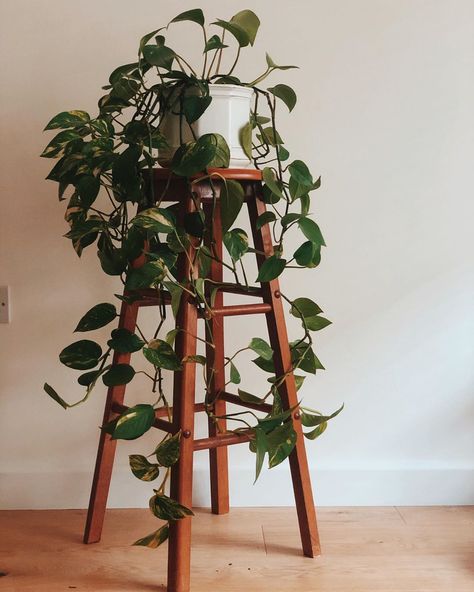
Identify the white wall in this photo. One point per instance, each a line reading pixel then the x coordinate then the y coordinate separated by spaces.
pixel 385 114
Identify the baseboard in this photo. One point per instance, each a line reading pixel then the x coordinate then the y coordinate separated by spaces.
pixel 332 487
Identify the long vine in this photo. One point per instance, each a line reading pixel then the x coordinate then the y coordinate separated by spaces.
pixel 104 168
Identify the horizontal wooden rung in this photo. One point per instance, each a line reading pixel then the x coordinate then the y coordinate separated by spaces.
pixel 238 310
pixel 148 297
pixel 236 400
pixel 230 288
pixel 163 411
pixel 223 440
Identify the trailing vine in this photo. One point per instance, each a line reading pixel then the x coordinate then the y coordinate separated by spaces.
pixel 103 170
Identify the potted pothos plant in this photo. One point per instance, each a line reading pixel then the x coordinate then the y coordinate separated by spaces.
pixel 160 109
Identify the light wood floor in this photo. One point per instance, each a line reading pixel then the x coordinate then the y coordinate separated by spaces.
pixel 392 549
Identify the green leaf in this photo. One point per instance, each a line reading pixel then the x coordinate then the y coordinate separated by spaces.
pixel 265 365
pixel 285 93
pixel 221 157
pixel 57 146
pixel 316 432
pixel 54 395
pixel 81 355
pixel 281 442
pixel 165 508
pixel 261 448
pixel 194 223
pixel 144 40
pixel 245 138
pixel 88 379
pixel 194 106
pixel 68 119
pixel 132 423
pixel 142 469
pixel 232 199
pixel 159 56
pixel 194 157
pixel 112 259
pixel 261 347
pixel 304 307
pixel 214 42
pixel 167 452
pixel 236 30
pixel 161 355
pixel 300 173
pixel 270 136
pixel 271 182
pixel 151 273
pixel 249 22
pixel 155 219
pixel 197 359
pixel 118 374
pixel 311 231
pixel 98 316
pixel 271 269
pixel 316 323
pixel 249 398
pixel 196 16
pixel 155 539
pixel 270 422
pixel 176 292
pixel 234 374
pixel 308 254
pixel 124 341
pixel 271 64
pixel 236 242
pixel 88 189
pixel 304 358
pixel 265 218
pixel 126 175
pixel 310 421
pixel 288 219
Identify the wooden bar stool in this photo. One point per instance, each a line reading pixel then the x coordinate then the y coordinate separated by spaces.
pixel 184 406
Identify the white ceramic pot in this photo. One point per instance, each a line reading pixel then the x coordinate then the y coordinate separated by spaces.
pixel 227 114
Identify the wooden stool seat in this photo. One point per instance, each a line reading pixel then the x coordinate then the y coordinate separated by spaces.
pixel 167 188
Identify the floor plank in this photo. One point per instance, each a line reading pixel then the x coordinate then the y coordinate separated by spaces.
pixel 428 549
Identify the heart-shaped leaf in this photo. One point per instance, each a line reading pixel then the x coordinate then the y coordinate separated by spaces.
pixel 162 355
pixel 124 341
pixel 271 269
pixel 132 423
pixel 165 508
pixel 232 199
pixel 68 119
pixel 196 16
pixel 236 242
pixel 81 355
pixel 167 452
pixel 261 347
pixel 304 307
pixel 142 468
pixel 98 316
pixel 286 94
pixel 118 374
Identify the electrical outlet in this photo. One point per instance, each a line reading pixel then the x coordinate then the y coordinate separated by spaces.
pixel 4 304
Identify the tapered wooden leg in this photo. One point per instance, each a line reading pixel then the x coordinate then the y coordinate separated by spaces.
pixel 282 359
pixel 181 487
pixel 106 452
pixel 215 373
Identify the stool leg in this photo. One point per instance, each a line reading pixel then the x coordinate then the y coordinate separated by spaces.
pixel 282 359
pixel 215 373
pixel 181 487
pixel 106 452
